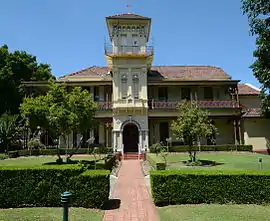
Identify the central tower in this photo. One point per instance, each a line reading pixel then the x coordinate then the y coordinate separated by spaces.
pixel 129 58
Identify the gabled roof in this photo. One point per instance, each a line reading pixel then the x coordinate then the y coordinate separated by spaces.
pixel 127 16
pixel 247 89
pixel 181 73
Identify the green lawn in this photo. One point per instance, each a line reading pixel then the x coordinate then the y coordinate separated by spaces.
pixel 214 212
pixel 49 214
pixel 37 161
pixel 228 160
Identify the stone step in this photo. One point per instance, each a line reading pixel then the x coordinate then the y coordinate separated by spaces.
pixel 133 156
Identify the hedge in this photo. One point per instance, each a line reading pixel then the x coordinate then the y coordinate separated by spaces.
pixel 156 162
pixel 206 186
pixel 37 152
pixel 107 163
pixel 213 148
pixel 42 187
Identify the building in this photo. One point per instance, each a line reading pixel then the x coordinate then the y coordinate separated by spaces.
pixel 138 101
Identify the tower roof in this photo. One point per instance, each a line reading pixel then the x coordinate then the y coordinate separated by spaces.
pixel 128 16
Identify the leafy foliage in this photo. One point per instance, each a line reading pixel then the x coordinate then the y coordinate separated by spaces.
pixel 258 12
pixel 192 125
pixel 8 130
pixel 156 162
pixel 60 112
pixel 226 147
pixel 161 150
pixel 15 68
pixel 37 187
pixel 209 186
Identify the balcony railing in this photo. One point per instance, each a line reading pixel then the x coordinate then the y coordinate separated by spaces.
pixel 129 50
pixel 209 104
pixel 104 105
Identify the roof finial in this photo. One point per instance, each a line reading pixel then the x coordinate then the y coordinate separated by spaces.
pixel 129 6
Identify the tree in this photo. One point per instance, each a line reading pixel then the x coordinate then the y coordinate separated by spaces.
pixel 258 13
pixel 8 131
pixel 15 68
pixel 61 112
pixel 192 125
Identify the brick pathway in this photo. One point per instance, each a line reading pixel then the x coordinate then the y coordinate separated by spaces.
pixel 130 188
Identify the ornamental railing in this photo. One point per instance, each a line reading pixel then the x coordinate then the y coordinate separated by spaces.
pixel 104 105
pixel 209 104
pixel 129 50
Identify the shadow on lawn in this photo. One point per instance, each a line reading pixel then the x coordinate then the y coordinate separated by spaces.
pixel 201 163
pixel 83 162
pixel 112 204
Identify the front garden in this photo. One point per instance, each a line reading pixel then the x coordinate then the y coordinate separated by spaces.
pixel 216 182
pixel 35 182
pixel 234 187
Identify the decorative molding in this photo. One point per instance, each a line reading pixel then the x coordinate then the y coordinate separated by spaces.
pixel 130 121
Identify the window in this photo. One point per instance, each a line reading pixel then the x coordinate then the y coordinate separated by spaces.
pixel 96 93
pixel 163 131
pixel 163 93
pixel 185 93
pixel 135 87
pixel 124 86
pixel 96 135
pixel 208 93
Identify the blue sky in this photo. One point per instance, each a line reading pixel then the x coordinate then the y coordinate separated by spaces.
pixel 69 34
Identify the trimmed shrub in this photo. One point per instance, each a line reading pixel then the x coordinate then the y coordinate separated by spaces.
pixel 156 161
pixel 90 189
pixel 3 156
pixel 213 148
pixel 42 187
pixel 107 163
pixel 207 186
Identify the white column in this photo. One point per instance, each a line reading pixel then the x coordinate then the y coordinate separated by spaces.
pixel 79 136
pixel 140 146
pixel 114 140
pixel 146 142
pixel 121 145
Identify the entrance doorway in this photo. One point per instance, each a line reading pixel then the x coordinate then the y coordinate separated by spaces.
pixel 130 138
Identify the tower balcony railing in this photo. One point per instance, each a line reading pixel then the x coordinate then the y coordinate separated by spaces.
pixel 124 50
pixel 205 104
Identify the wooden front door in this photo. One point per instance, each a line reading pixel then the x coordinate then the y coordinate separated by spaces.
pixel 130 138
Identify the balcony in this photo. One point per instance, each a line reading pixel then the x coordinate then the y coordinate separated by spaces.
pixel 129 50
pixel 206 104
pixel 104 105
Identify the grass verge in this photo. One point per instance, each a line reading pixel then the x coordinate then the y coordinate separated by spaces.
pixel 214 212
pixel 49 214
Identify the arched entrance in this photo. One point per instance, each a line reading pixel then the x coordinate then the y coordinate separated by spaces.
pixel 130 138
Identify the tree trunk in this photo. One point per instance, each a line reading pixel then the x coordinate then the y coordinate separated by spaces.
pixel 192 153
pixel 74 150
pixel 58 147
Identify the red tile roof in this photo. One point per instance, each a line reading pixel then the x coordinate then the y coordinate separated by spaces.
pixel 164 72
pixel 246 89
pixel 128 16
pixel 89 72
pixel 189 72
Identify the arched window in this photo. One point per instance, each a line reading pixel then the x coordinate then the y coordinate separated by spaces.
pixel 124 86
pixel 135 87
